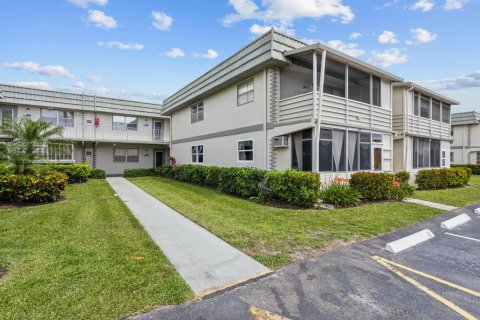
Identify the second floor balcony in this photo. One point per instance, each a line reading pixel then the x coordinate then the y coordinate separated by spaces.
pixel 114 134
pixel 416 125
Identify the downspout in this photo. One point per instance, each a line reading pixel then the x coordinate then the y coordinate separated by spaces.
pixel 319 113
pixel 405 121
pixel 265 117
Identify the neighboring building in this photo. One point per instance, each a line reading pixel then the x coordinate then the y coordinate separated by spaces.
pixel 110 134
pixel 263 107
pixel 465 148
pixel 421 120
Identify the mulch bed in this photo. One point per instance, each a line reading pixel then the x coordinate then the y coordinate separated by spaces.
pixel 22 205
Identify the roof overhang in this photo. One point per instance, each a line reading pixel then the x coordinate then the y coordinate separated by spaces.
pixel 342 57
pixel 426 91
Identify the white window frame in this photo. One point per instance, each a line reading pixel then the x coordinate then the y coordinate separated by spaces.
pixel 197 154
pixel 6 108
pixel 57 120
pixel 443 158
pixel 124 126
pixel 126 155
pixel 377 145
pixel 245 83
pixel 253 151
pixel 196 106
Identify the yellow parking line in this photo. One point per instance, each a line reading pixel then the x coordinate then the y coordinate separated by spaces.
pixel 426 275
pixel 448 303
pixel 262 314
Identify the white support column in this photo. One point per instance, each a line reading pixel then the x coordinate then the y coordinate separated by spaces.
pixel 319 113
pixel 315 113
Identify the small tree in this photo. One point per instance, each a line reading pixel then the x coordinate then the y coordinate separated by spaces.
pixel 21 138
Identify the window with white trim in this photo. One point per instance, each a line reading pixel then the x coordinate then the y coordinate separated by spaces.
pixel 444 158
pixel 57 117
pixel 445 113
pixel 125 154
pixel 245 150
pixel 197 153
pixel 6 115
pixel 452 156
pixel 245 92
pixel 426 153
pixel 124 123
pixel 197 112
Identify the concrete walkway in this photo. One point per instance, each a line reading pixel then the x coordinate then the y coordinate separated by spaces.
pixel 205 261
pixel 430 204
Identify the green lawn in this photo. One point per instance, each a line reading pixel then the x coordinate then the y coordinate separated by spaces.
pixel 457 197
pixel 75 260
pixel 275 236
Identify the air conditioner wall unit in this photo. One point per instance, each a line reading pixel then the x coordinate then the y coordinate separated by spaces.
pixel 280 142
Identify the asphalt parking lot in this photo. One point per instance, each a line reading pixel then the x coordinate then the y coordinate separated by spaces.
pixel 438 279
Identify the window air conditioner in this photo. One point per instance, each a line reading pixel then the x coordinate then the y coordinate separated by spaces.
pixel 280 142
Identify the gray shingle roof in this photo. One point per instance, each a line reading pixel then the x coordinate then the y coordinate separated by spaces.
pixel 463 118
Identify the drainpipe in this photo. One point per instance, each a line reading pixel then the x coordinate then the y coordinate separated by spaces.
pixel 265 117
pixel 319 113
pixel 314 112
pixel 405 121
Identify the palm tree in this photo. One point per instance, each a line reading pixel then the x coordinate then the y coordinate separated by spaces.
pixel 21 137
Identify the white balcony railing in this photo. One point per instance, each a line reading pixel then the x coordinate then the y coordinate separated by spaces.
pixel 427 127
pixel 108 133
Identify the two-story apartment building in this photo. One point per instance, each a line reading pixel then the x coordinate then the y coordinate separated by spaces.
pixel 465 148
pixel 421 120
pixel 266 105
pixel 111 134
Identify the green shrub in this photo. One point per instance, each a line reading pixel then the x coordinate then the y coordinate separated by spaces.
pixel 38 187
pixel 76 173
pixel 442 178
pixel 167 171
pixel 97 174
pixel 243 182
pixel 475 168
pixel 401 191
pixel 212 177
pixel 134 172
pixel 403 176
pixel 192 173
pixel 340 195
pixel 372 186
pixel 293 187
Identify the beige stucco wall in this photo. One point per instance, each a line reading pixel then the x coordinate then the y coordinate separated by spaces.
pixel 466 143
pixel 222 113
pixel 222 151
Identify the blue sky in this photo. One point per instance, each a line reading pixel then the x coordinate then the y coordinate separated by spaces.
pixel 147 50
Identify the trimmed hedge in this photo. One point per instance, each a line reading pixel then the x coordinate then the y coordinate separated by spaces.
pixel 97 174
pixel 442 178
pixel 474 167
pixel 38 187
pixel 403 176
pixel 76 173
pixel 133 173
pixel 373 186
pixel 293 187
pixel 243 182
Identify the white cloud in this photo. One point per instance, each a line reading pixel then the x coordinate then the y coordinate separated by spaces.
pixel 422 36
pixel 210 54
pixel 355 35
pixel 161 20
pixel 283 13
pixel 471 80
pixel 348 48
pixel 454 4
pixel 424 5
pixel 78 85
pixel 35 85
pixel 387 37
pixel 101 90
pixel 94 78
pixel 175 53
pixel 258 29
pixel 388 57
pixel 121 45
pixel 33 67
pixel 99 19
pixel 87 3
